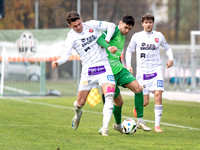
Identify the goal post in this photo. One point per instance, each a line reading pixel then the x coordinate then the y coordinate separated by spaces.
pixel 193 65
pixel 2 70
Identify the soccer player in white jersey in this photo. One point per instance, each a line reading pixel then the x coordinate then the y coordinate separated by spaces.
pixel 95 65
pixel 149 70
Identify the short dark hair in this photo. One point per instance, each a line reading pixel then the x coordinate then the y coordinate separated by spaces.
pixel 147 17
pixel 72 16
pixel 129 20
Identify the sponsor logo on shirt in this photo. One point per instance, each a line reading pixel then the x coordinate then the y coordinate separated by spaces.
pixel 110 78
pixel 84 83
pixel 159 83
pixel 149 76
pixel 86 41
pixel 145 46
pixel 96 70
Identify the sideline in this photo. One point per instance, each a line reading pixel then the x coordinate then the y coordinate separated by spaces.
pixel 93 112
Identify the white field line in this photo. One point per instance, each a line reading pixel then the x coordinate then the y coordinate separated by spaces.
pixel 19 125
pixel 16 90
pixel 26 125
pixel 93 112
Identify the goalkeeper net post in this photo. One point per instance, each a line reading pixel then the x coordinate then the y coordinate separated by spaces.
pixel 193 66
pixel 2 69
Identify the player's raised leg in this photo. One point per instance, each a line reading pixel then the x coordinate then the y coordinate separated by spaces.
pixel 139 101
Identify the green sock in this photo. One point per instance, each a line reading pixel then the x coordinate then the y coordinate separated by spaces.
pixel 139 101
pixel 117 111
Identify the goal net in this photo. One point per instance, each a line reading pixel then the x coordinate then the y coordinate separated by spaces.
pixel 185 74
pixel 195 63
pixel 25 63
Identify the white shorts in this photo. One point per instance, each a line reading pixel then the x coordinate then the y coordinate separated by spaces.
pixel 96 75
pixel 151 81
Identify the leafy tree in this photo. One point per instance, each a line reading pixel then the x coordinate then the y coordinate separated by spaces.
pixel 19 14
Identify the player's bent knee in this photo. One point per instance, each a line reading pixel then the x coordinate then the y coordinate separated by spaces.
pixel 137 87
pixel 138 90
pixel 118 102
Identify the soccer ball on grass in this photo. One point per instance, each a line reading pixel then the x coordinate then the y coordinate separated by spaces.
pixel 129 126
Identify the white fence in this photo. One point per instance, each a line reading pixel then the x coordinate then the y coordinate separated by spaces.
pixel 186 67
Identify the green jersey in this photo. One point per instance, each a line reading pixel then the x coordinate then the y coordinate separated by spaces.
pixel 121 74
pixel 118 41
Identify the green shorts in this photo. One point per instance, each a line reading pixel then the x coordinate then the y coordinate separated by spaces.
pixel 122 78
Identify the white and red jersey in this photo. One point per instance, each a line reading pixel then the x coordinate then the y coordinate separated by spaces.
pixel 85 43
pixel 147 46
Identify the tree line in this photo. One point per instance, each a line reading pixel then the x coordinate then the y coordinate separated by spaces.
pixel 20 14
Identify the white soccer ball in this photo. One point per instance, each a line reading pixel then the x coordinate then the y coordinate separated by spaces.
pixel 129 126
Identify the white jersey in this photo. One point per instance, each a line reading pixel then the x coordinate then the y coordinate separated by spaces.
pixel 85 43
pixel 96 69
pixel 147 50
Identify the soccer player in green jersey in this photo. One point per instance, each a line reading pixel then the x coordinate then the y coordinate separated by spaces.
pixel 122 76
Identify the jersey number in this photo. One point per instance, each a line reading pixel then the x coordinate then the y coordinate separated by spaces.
pixel 87 49
pixel 142 55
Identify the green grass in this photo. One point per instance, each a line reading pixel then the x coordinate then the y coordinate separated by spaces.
pixel 45 124
pixel 65 87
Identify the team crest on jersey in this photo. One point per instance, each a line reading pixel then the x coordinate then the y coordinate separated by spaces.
pixel 90 30
pixel 156 40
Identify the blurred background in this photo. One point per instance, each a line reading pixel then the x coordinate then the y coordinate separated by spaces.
pixel 42 23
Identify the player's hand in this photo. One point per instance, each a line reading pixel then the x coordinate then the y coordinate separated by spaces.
pixel 54 64
pixel 130 69
pixel 112 49
pixel 169 63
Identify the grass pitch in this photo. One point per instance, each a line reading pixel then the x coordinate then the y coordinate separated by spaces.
pixel 45 124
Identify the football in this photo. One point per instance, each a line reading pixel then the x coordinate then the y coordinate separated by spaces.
pixel 129 126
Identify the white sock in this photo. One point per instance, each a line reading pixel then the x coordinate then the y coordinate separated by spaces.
pixel 158 113
pixel 77 108
pixel 119 125
pixel 139 119
pixel 108 109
